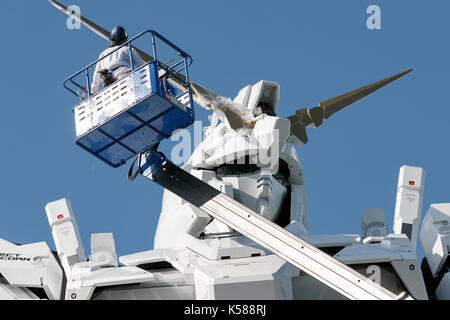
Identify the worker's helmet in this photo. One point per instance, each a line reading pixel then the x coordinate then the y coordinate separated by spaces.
pixel 118 35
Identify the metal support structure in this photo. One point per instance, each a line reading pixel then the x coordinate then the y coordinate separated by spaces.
pixel 131 56
pixel 301 254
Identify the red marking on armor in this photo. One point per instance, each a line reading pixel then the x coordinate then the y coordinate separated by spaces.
pixel 60 216
pixel 411 183
pixel 85 89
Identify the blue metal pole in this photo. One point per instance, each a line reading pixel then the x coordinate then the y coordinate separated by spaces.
pixel 88 83
pixel 191 102
pixel 154 47
pixel 131 57
pixel 187 71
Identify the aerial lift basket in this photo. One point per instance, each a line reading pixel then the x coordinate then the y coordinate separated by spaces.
pixel 136 112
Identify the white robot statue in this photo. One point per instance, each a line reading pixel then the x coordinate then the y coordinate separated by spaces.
pixel 198 257
pixel 256 166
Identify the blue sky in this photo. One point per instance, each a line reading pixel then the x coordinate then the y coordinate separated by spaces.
pixel 316 50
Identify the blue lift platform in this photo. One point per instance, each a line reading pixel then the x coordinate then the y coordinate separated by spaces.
pixel 137 112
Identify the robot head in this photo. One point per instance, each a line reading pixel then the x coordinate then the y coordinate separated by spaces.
pixel 261 97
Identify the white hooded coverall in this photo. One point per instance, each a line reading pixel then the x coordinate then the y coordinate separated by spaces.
pixel 118 63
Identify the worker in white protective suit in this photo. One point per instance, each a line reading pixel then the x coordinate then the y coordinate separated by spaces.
pixel 117 65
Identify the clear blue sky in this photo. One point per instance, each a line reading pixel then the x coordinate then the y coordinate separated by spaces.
pixel 315 49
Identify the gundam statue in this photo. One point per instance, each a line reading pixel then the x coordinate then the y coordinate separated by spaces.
pixel 234 221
